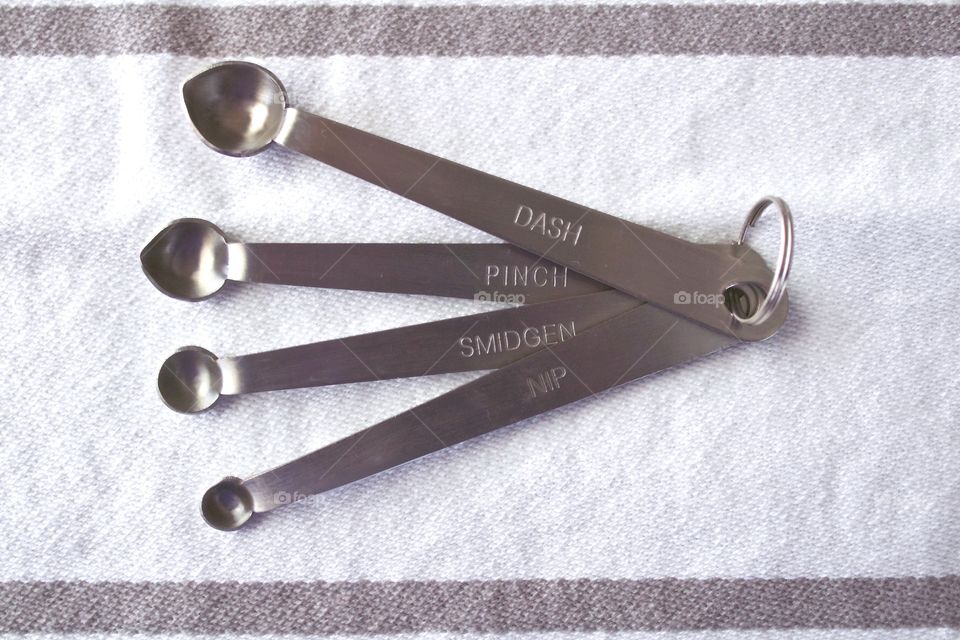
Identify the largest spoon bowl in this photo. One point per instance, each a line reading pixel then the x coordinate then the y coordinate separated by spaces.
pixel 236 107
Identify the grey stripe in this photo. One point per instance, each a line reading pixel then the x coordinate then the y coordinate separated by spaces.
pixel 478 606
pixel 807 29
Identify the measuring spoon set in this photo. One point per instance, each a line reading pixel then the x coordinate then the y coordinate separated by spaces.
pixel 597 300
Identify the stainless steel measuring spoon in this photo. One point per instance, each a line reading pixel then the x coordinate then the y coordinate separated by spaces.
pixel 193 379
pixel 240 108
pixel 192 259
pixel 626 346
pixel 635 343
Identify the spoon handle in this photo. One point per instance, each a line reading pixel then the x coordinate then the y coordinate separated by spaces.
pixel 486 272
pixel 470 343
pixel 633 344
pixel 637 260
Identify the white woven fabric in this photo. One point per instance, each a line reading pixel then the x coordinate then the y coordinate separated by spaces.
pixel 830 450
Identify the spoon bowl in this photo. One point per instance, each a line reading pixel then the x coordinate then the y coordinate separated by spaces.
pixel 187 260
pixel 190 380
pixel 227 505
pixel 236 107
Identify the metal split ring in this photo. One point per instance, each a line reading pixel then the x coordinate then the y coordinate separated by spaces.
pixel 779 283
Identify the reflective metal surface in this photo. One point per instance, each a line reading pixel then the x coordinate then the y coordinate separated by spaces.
pixel 188 261
pixel 237 107
pixel 234 109
pixel 192 379
pixel 778 283
pixel 629 345
pixel 227 505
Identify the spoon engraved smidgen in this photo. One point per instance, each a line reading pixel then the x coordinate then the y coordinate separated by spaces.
pixel 628 345
pixel 633 344
pixel 239 109
pixel 193 378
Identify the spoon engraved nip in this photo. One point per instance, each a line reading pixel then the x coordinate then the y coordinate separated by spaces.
pixel 634 343
pixel 240 108
pixel 638 342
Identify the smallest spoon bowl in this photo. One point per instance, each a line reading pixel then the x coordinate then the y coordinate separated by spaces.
pixel 190 380
pixel 187 260
pixel 227 505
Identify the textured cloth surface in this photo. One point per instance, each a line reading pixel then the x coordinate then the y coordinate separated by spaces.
pixel 830 451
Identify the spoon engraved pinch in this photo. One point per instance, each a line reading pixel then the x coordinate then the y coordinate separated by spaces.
pixel 192 259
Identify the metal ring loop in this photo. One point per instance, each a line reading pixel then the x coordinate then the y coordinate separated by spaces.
pixel 779 283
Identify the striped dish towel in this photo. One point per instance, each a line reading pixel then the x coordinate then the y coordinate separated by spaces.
pixel 806 486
